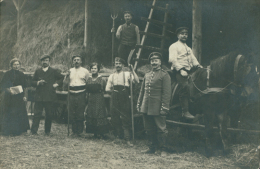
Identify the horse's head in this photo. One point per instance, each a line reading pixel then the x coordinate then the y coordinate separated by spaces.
pixel 245 75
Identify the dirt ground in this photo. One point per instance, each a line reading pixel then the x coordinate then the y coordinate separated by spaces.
pixel 59 151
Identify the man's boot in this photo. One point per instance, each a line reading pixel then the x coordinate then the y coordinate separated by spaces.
pixel 152 145
pixel 161 150
pixel 127 137
pixel 185 108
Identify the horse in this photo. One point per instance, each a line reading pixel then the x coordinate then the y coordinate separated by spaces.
pixel 212 93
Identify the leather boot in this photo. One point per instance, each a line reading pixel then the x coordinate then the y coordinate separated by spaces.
pixel 185 108
pixel 161 144
pixel 152 144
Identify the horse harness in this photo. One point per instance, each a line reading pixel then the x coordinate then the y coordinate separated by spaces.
pixel 215 90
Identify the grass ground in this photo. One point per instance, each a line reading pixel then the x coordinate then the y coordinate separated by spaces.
pixel 59 151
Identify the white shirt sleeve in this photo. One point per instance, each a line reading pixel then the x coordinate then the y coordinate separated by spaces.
pixel 109 84
pixel 173 55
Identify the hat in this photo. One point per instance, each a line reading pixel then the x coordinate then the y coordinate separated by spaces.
pixel 125 12
pixel 181 29
pixel 118 59
pixel 74 56
pixel 45 56
pixel 155 55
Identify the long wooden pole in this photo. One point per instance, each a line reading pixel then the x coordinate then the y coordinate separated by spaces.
pixel 86 25
pixel 144 36
pixel 68 104
pixel 197 29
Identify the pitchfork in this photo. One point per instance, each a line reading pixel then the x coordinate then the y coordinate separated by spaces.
pixel 113 36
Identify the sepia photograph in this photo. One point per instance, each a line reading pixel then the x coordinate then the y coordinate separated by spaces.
pixel 132 84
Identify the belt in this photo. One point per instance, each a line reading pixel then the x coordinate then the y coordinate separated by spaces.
pixel 76 88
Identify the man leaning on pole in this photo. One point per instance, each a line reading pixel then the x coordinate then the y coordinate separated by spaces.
pixel 153 102
pixel 118 84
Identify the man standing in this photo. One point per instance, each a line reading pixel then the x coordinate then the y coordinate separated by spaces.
pixel 77 88
pixel 129 36
pixel 118 85
pixel 153 102
pixel 45 79
pixel 183 60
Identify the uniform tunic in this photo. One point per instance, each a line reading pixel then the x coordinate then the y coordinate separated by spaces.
pixel 155 92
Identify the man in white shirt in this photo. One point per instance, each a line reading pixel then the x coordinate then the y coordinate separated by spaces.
pixel 77 88
pixel 183 60
pixel 118 84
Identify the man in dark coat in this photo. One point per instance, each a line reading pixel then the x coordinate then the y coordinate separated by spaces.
pixel 45 79
pixel 153 102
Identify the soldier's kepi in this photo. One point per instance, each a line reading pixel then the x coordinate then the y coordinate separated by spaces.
pixel 183 60
pixel 153 102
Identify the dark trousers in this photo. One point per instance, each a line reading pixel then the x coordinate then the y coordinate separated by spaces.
pixel 38 108
pixel 155 127
pixel 77 107
pixel 120 111
pixel 124 50
pixel 184 94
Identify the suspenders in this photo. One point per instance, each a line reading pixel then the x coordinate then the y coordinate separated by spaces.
pixel 113 81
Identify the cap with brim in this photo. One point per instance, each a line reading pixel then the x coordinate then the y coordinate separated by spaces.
pixel 45 56
pixel 155 55
pixel 181 29
pixel 118 59
pixel 74 56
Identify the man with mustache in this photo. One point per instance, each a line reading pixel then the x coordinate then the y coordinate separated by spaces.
pixel 46 80
pixel 118 84
pixel 183 60
pixel 153 102
pixel 77 88
pixel 129 36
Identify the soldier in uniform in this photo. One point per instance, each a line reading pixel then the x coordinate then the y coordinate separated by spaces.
pixel 118 84
pixel 153 102
pixel 183 60
pixel 129 36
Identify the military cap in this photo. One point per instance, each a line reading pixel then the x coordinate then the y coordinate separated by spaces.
pixel 181 29
pixel 155 55
pixel 74 56
pixel 45 56
pixel 118 59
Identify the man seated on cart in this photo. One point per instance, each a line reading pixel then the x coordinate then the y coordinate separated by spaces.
pixel 183 60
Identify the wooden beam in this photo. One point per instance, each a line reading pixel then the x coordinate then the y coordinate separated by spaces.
pixel 156 21
pixel 164 26
pixel 160 8
pixel 199 126
pixel 86 25
pixel 151 48
pixel 153 34
pixel 196 29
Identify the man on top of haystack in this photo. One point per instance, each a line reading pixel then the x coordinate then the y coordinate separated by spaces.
pixel 183 60
pixel 129 36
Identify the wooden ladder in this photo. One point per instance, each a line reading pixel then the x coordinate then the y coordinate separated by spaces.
pixel 145 33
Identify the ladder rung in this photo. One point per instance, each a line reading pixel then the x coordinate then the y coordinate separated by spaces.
pixel 156 21
pixel 152 48
pixel 160 8
pixel 153 34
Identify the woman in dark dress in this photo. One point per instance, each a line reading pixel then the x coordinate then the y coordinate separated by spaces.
pixel 15 120
pixel 96 118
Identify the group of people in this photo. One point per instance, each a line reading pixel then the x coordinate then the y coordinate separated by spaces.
pixel 86 91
